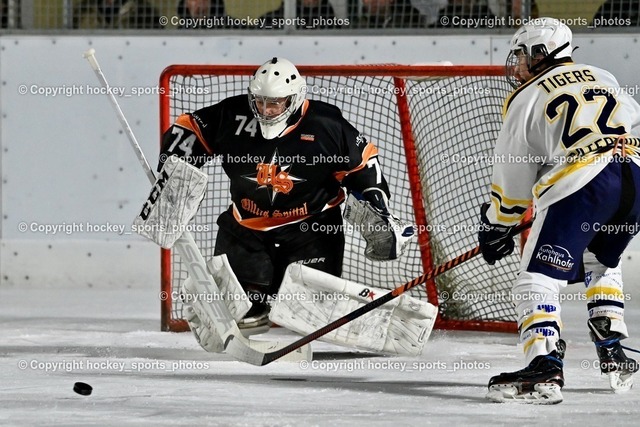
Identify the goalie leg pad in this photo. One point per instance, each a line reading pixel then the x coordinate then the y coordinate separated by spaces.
pixel 208 338
pixel 174 200
pixel 230 288
pixel 310 299
pixel 230 292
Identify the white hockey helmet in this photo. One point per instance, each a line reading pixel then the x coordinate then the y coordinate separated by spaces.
pixel 542 39
pixel 276 81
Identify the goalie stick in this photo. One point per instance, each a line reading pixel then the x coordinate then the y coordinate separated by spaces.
pixel 217 311
pixel 241 352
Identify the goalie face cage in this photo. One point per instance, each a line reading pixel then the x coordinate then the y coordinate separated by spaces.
pixel 435 128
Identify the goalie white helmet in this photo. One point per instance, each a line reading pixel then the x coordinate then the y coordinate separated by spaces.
pixel 543 40
pixel 276 91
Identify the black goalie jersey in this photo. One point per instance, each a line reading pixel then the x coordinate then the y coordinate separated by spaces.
pixel 282 180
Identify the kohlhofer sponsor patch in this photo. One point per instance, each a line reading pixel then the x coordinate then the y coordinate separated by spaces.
pixel 555 256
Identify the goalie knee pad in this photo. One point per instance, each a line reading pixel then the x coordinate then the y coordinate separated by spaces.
pixel 310 299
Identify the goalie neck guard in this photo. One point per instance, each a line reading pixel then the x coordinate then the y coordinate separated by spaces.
pixel 276 92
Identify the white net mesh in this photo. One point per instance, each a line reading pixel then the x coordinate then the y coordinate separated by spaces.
pixel 455 121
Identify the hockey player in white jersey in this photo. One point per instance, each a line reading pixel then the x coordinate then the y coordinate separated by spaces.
pixel 569 142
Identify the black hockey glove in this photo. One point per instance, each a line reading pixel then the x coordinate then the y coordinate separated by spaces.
pixel 496 241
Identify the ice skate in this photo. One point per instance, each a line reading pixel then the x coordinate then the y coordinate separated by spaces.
pixel 539 383
pixel 613 361
pixel 256 321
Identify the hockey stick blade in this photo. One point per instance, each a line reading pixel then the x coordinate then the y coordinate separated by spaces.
pixel 258 351
pixel 236 348
pixel 217 313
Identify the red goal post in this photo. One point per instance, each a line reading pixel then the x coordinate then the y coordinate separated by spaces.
pixel 434 126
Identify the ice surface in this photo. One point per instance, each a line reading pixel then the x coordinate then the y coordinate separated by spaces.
pixel 141 376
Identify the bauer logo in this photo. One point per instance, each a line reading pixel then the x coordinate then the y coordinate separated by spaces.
pixel 555 256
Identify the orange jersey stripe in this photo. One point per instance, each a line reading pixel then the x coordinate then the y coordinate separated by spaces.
pixel 335 202
pixel 187 122
pixel 369 151
pixel 305 106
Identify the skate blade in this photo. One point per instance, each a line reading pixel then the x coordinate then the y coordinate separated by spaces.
pixel 543 394
pixel 247 331
pixel 620 383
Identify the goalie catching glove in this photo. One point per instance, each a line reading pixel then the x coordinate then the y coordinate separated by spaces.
pixel 496 241
pixel 174 200
pixel 386 235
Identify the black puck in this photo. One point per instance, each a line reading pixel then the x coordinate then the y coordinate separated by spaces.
pixel 82 388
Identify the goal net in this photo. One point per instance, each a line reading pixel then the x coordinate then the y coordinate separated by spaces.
pixel 434 126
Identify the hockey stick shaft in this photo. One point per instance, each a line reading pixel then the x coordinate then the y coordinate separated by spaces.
pixel 89 55
pixel 217 312
pixel 274 355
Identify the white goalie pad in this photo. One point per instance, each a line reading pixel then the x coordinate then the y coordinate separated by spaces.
pixel 230 289
pixel 310 299
pixel 173 201
pixel 387 236
pixel 230 292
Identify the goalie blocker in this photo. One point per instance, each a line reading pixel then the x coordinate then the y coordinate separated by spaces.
pixel 174 200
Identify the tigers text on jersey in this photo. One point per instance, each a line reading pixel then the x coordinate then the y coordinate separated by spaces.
pixel 282 180
pixel 558 133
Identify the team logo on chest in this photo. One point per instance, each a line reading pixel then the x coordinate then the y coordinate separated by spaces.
pixel 274 177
